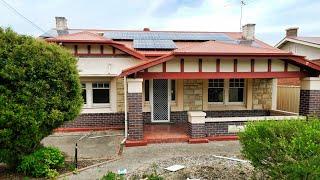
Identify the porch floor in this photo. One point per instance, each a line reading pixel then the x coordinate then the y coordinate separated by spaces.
pixel 166 133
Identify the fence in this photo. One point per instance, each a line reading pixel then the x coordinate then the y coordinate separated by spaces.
pixel 288 98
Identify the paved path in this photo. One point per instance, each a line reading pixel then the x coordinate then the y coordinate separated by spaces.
pixel 138 157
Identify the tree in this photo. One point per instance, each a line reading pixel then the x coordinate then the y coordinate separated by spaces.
pixel 39 91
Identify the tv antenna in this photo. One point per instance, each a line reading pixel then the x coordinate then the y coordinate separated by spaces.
pixel 242 3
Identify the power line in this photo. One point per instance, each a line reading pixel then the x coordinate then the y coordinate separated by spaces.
pixel 21 15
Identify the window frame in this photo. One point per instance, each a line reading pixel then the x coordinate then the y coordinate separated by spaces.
pixel 223 92
pixel 84 88
pixel 145 89
pixel 175 90
pixel 101 104
pixel 244 93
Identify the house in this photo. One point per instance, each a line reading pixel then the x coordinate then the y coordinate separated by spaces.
pixel 204 84
pixel 299 45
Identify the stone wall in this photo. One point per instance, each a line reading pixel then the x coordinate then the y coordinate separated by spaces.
pixel 262 93
pixel 120 94
pixel 192 98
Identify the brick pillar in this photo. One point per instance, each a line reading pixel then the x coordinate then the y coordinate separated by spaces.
pixel 196 124
pixel 135 119
pixel 310 96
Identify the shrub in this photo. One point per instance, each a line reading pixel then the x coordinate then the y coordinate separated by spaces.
pixel 42 163
pixel 112 176
pixel 39 90
pixel 283 149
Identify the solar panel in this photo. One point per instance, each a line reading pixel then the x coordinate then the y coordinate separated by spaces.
pixel 153 44
pixel 129 35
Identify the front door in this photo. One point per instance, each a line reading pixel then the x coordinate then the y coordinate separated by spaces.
pixel 160 111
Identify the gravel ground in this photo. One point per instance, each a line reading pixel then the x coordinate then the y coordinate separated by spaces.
pixel 138 159
pixel 199 167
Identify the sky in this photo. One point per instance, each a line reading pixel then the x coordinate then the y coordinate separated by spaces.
pixel 271 17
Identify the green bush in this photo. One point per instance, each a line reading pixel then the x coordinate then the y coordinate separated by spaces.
pixel 112 176
pixel 39 91
pixel 42 163
pixel 283 149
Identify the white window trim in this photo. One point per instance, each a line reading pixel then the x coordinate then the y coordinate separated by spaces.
pixel 244 94
pixel 89 99
pixel 226 95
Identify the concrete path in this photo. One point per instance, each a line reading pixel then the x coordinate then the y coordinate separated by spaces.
pixel 138 157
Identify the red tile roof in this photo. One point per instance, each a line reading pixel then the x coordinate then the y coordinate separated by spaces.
pixel 84 36
pixel 216 48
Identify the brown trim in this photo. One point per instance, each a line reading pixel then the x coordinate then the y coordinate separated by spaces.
pixel 252 65
pixel 285 66
pixel 182 65
pixel 235 65
pixel 200 65
pixel 75 49
pixel 101 49
pixel 269 65
pixel 113 50
pixel 219 75
pixel 164 67
pixel 89 49
pixel 218 65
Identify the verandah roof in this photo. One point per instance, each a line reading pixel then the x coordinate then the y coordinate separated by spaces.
pixel 220 50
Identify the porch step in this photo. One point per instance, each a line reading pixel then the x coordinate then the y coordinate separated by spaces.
pixel 167 140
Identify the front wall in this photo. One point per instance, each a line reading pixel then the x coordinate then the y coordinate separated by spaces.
pixel 89 66
pixel 303 50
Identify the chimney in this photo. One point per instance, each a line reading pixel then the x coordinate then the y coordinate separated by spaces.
pixel 292 32
pixel 61 23
pixel 248 31
pixel 146 29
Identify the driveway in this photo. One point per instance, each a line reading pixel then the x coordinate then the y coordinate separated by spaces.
pixel 135 158
pixel 93 145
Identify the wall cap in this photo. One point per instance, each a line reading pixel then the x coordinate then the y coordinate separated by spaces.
pixel 196 117
pixel 134 85
pixel 310 83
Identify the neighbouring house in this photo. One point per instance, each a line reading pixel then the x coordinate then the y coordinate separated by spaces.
pixel 299 45
pixel 204 84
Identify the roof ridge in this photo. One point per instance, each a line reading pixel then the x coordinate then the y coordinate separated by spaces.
pixel 152 30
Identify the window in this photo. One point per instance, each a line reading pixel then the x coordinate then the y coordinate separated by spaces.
pixel 84 93
pixel 146 90
pixel 100 93
pixel 215 90
pixel 173 90
pixel 236 90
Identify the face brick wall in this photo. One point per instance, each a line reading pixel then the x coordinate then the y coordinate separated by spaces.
pixel 309 102
pixel 96 120
pixel 196 130
pixel 220 128
pixel 135 117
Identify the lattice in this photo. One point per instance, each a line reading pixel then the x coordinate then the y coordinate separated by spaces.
pixel 160 100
